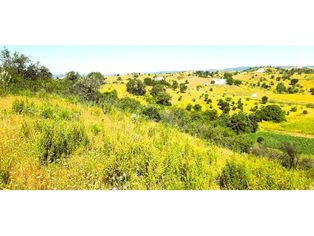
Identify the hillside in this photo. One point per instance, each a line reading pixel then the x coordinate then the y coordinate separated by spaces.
pixel 179 130
pixel 121 152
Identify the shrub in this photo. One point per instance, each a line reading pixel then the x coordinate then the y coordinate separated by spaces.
pixel 18 106
pixel 291 155
pixel 197 107
pixel 281 88
pixel 136 87
pixel 4 178
pixel 234 176
pixel 304 112
pixel 58 141
pixel 293 109
pixel 128 104
pixel 152 113
pixel 260 139
pixel 95 129
pixel 312 91
pixel 183 87
pixel 264 99
pixel 23 107
pixel 189 107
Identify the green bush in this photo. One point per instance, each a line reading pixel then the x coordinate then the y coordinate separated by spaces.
pixel 152 113
pixel 23 107
pixel 57 141
pixel 234 176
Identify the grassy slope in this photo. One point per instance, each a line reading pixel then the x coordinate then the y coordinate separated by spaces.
pixel 123 154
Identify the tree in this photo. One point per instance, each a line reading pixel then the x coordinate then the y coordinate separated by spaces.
pixel 136 87
pixel 240 104
pixel 159 93
pixel 242 123
pixel 175 85
pixel 264 99
pixel 183 87
pixel 88 87
pixel 20 65
pixel 148 81
pixel 237 82
pixel 271 113
pixel 230 81
pixel 197 107
pixel 189 107
pixel 224 106
pixel 281 88
pixel 72 76
pixel 294 81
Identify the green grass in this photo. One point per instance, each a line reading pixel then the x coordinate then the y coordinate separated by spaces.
pixel 273 140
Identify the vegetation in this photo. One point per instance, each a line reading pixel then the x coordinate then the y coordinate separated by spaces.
pixel 92 132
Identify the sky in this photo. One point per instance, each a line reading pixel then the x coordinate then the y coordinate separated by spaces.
pixel 128 59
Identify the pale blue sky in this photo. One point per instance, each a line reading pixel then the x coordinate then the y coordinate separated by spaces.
pixel 124 59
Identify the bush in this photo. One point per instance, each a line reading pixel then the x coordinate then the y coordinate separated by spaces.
pixel 23 107
pixel 4 178
pixel 293 109
pixel 183 87
pixel 152 113
pixel 234 176
pixel 260 139
pixel 128 104
pixel 264 99
pixel 197 107
pixel 281 88
pixel 58 141
pixel 291 155
pixel 136 87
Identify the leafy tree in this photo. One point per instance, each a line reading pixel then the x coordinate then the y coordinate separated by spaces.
pixel 20 65
pixel 224 106
pixel 242 123
pixel 136 87
pixel 281 88
pixel 264 99
pixel 183 87
pixel 230 81
pixel 270 113
pixel 237 82
pixel 240 104
pixel 294 81
pixel 189 107
pixel 159 93
pixel 148 81
pixel 88 87
pixel 72 76
pixel 175 85
pixel 197 107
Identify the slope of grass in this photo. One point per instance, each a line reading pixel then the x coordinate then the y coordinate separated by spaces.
pixel 121 152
